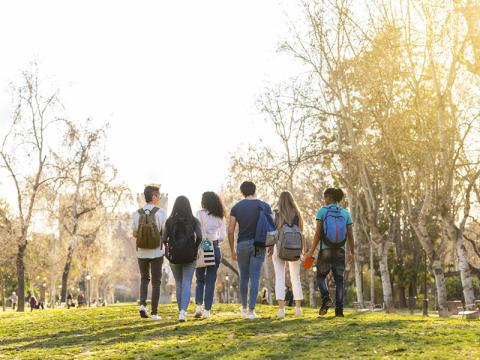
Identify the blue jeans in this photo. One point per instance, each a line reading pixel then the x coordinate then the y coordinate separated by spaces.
pixel 331 260
pixel 250 261
pixel 206 278
pixel 183 274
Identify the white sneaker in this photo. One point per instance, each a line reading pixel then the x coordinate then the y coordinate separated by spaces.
pixel 155 317
pixel 143 311
pixel 198 312
pixel 243 312
pixel 251 315
pixel 281 313
pixel 298 311
pixel 206 314
pixel 182 316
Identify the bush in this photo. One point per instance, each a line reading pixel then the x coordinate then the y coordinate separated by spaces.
pixel 455 289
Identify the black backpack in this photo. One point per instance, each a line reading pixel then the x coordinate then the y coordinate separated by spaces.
pixel 180 247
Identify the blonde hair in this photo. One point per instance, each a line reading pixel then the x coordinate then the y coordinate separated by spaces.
pixel 287 209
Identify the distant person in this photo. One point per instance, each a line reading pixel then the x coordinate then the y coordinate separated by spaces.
pixel 289 297
pixel 33 302
pixel 81 299
pixel 250 258
pixel 70 301
pixel 181 237
pixel 14 299
pixel 334 232
pixel 41 304
pixel 265 296
pixel 289 223
pixel 147 227
pixel 212 218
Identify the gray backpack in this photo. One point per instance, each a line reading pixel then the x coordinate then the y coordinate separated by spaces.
pixel 289 243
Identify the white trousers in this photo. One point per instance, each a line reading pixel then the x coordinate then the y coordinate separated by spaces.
pixel 279 266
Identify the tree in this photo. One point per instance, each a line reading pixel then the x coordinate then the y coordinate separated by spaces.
pixel 88 183
pixel 25 157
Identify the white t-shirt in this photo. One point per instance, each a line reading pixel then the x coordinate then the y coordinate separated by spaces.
pixel 160 218
pixel 214 227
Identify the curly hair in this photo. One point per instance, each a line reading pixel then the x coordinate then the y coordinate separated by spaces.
pixel 213 204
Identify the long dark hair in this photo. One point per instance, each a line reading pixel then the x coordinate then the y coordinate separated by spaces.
pixel 213 204
pixel 182 210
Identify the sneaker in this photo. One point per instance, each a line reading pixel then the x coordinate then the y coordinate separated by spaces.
pixel 298 311
pixel 155 317
pixel 143 312
pixel 327 303
pixel 182 316
pixel 198 312
pixel 281 313
pixel 339 313
pixel 251 315
pixel 206 314
pixel 243 311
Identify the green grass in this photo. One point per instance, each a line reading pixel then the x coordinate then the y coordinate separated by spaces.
pixel 117 332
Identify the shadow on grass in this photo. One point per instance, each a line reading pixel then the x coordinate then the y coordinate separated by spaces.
pixel 231 336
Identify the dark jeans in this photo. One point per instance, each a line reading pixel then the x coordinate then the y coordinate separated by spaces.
pixel 331 260
pixel 155 267
pixel 206 278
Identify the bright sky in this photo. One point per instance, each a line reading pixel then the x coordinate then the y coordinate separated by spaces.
pixel 177 80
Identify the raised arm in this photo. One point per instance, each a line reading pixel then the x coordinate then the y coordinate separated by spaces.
pixel 232 224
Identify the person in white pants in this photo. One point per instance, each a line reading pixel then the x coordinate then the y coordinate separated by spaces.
pixel 287 213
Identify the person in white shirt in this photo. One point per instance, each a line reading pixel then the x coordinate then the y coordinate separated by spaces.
pixel 150 260
pixel 212 218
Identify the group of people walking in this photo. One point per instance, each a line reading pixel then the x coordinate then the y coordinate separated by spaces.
pixel 191 243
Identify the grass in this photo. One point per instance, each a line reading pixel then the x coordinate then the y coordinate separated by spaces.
pixel 117 332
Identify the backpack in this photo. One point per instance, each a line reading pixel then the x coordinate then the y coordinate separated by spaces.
pixel 266 230
pixel 334 228
pixel 148 235
pixel 180 247
pixel 289 243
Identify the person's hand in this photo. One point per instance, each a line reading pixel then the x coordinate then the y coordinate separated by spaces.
pixel 234 255
pixel 270 252
pixel 308 254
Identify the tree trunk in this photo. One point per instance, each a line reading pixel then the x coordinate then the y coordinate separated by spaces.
pixel 358 281
pixel 52 272
pixel 465 274
pixel 372 276
pixel 3 294
pixel 21 275
pixel 311 289
pixel 440 286
pixel 66 272
pixel 358 265
pixel 386 283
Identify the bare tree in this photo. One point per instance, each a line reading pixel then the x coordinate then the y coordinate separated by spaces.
pixel 25 156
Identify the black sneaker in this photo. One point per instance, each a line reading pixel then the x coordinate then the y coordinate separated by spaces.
pixel 327 303
pixel 339 313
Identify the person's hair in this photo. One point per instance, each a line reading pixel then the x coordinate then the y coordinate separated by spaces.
pixel 336 194
pixel 213 204
pixel 150 191
pixel 287 209
pixel 248 188
pixel 182 209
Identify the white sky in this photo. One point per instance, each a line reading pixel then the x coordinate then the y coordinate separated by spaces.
pixel 177 80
